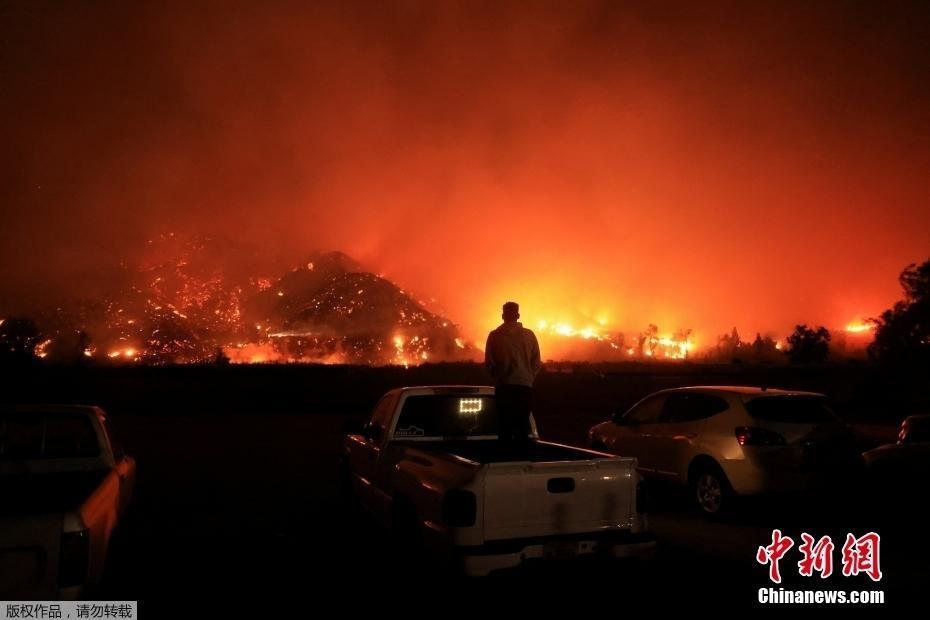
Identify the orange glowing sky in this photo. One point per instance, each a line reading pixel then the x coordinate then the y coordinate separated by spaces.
pixel 690 166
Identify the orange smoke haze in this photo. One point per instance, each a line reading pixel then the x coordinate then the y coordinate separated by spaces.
pixel 606 165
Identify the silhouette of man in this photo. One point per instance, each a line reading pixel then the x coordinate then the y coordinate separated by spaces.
pixel 511 355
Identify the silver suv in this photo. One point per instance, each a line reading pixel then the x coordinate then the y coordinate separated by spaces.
pixel 724 441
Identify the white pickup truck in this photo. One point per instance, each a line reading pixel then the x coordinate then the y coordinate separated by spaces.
pixel 64 484
pixel 428 464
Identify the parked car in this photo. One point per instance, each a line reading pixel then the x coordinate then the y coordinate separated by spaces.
pixel 906 461
pixel 428 464
pixel 726 441
pixel 64 483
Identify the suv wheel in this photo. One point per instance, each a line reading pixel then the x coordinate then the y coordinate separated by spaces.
pixel 711 491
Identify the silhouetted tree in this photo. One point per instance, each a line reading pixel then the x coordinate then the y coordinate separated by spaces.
pixel 18 339
pixel 220 358
pixel 68 347
pixel 808 345
pixel 902 333
pixel 728 346
pixel 770 352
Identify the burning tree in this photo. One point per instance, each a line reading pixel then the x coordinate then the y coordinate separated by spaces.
pixel 646 343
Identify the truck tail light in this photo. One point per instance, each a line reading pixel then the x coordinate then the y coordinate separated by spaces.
pixel 755 436
pixel 459 508
pixel 73 558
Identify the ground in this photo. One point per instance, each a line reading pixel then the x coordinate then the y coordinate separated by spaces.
pixel 237 490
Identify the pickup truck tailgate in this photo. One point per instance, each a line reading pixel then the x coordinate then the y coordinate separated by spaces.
pixel 527 499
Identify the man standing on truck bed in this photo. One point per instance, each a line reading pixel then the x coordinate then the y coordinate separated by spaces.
pixel 512 357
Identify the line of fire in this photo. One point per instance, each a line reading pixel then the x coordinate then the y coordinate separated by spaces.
pixel 183 306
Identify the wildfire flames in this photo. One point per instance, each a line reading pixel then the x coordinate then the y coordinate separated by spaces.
pixel 182 306
pixel 595 341
pixel 860 327
pixel 564 329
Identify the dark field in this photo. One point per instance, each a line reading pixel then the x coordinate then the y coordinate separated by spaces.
pixel 237 492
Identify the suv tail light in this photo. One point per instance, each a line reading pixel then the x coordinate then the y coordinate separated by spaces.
pixel 73 558
pixel 459 508
pixel 755 436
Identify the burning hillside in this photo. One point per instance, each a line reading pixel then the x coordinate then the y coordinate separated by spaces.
pixel 191 302
pixel 332 310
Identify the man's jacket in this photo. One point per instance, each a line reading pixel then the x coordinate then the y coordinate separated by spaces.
pixel 512 355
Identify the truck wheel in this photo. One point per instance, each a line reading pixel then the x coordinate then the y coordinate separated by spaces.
pixel 711 490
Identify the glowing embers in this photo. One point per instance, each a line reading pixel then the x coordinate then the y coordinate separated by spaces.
pixel 41 349
pixel 470 406
pixel 127 354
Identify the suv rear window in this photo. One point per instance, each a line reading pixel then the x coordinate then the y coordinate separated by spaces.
pixel 27 436
pixel 691 406
pixel 792 409
pixel 447 416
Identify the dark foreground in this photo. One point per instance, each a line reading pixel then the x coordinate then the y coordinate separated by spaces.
pixel 237 495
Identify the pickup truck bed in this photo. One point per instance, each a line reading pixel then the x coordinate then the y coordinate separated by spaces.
pixel 493 451
pixel 32 494
pixel 429 464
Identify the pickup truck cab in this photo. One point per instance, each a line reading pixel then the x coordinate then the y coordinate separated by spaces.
pixel 428 464
pixel 64 484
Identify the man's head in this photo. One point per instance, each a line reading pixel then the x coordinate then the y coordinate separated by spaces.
pixel 511 311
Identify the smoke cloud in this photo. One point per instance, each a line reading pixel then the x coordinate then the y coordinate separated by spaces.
pixel 687 165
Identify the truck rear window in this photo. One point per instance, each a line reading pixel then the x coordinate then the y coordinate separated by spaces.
pixel 435 415
pixel 791 409
pixel 28 436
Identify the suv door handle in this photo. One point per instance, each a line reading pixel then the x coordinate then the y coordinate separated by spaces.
pixel 645 434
